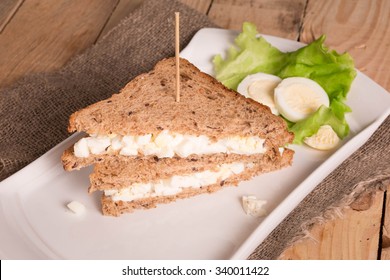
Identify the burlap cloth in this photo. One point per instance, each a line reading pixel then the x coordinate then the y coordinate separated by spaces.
pixel 34 111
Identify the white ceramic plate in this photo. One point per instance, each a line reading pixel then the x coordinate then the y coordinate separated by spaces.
pixel 36 224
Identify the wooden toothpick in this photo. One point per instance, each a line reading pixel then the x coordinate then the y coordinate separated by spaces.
pixel 177 50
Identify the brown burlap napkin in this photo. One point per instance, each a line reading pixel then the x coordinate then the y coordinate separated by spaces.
pixel 34 112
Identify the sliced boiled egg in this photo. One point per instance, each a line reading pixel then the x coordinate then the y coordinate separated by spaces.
pixel 296 98
pixel 324 139
pixel 260 87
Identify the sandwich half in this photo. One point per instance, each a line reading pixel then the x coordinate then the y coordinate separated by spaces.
pixel 145 121
pixel 149 149
pixel 145 183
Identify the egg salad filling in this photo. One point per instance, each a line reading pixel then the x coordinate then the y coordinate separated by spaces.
pixel 175 184
pixel 166 145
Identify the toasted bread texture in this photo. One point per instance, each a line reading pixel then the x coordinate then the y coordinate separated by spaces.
pixel 147 104
pixel 110 207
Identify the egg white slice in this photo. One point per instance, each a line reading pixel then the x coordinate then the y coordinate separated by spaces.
pixel 260 87
pixel 296 98
pixel 324 139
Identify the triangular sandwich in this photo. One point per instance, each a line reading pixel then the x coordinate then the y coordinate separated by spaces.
pixel 145 121
pixel 149 149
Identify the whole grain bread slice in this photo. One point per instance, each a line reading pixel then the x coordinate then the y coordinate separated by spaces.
pixel 147 105
pixel 118 174
pixel 262 165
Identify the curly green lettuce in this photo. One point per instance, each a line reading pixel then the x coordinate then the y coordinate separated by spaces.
pixel 334 72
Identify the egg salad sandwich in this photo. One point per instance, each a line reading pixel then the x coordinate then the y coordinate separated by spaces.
pixel 145 183
pixel 148 149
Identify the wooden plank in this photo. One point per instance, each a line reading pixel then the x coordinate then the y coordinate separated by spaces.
pixel 201 6
pixel 353 236
pixel 8 8
pixel 122 10
pixel 359 27
pixel 280 18
pixel 385 254
pixel 45 34
pixel 125 7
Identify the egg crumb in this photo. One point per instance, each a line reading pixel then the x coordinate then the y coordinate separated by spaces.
pixel 254 206
pixel 76 207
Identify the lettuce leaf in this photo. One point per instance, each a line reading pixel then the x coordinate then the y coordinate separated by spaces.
pixel 334 72
pixel 309 126
pixel 254 54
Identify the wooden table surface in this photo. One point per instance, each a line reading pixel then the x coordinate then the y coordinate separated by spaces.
pixel 42 35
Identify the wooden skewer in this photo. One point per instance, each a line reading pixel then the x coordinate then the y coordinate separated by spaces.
pixel 177 50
